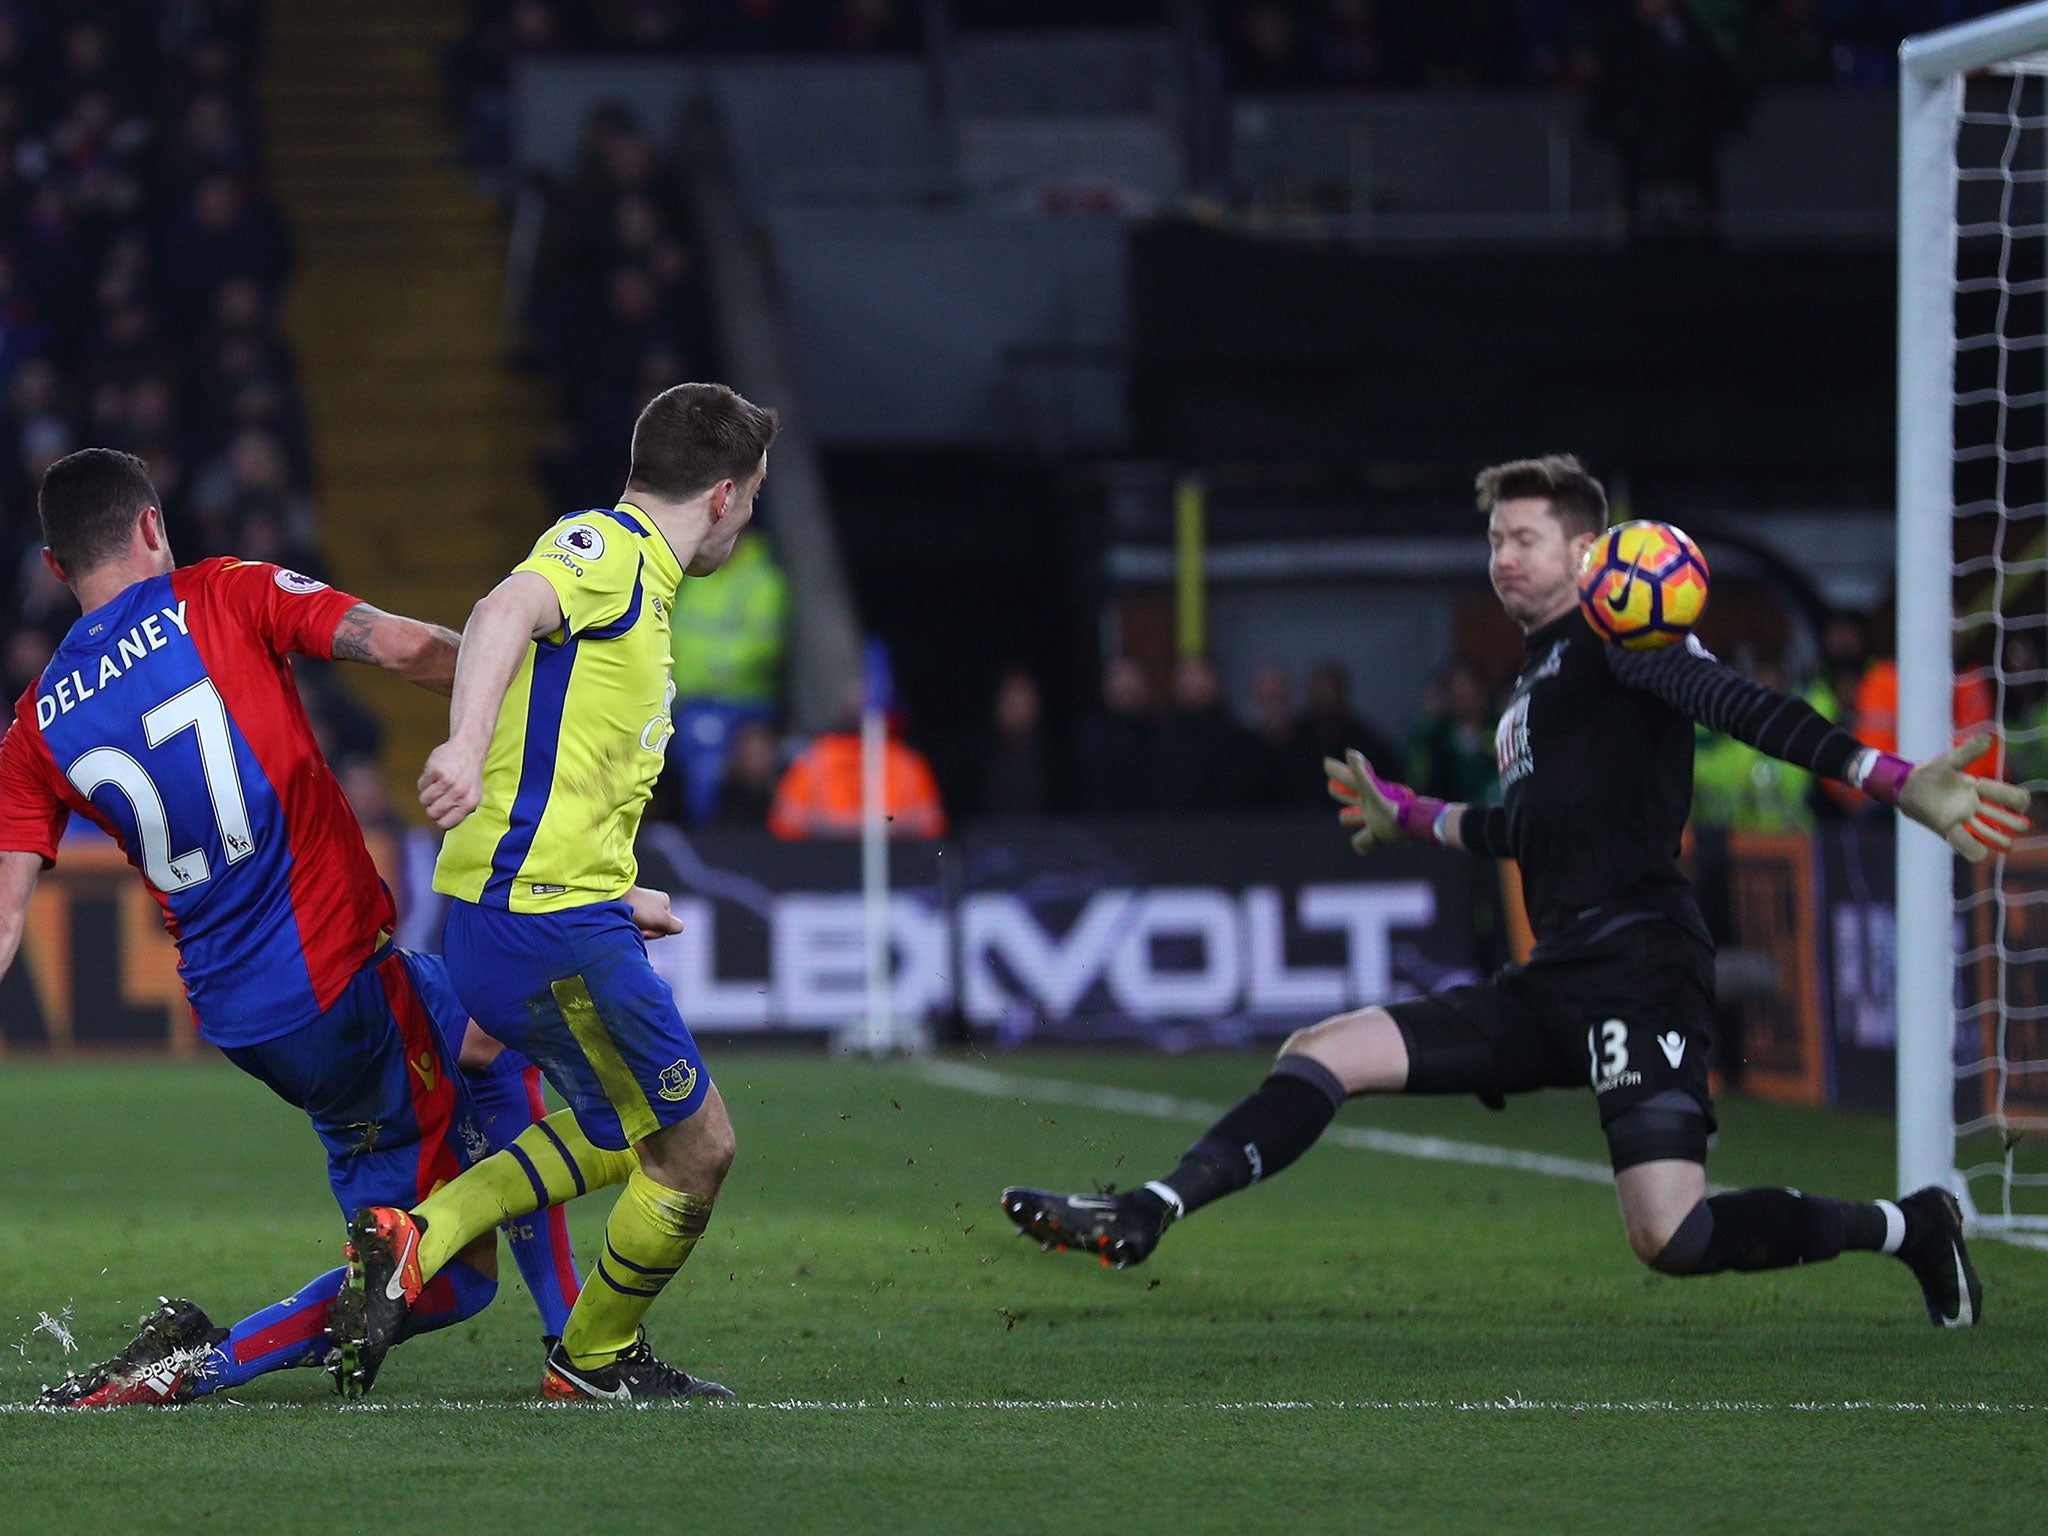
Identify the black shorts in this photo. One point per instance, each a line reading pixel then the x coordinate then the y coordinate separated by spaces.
pixel 1628 1016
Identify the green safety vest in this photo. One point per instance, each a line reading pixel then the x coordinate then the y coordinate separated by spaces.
pixel 1737 787
pixel 727 632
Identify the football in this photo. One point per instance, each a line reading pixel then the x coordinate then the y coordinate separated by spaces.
pixel 1643 585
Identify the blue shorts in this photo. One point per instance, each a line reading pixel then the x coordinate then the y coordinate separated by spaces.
pixel 377 1075
pixel 575 992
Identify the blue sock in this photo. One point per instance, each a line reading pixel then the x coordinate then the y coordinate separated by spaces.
pixel 540 1247
pixel 508 1099
pixel 457 1292
pixel 293 1332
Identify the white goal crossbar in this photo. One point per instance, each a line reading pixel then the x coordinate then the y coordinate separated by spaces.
pixel 1934 73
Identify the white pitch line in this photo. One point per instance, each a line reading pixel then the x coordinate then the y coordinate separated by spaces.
pixel 1159 1106
pixel 1500 1405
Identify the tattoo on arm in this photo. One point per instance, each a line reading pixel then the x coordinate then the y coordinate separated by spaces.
pixel 352 634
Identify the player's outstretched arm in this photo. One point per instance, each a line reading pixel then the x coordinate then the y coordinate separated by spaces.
pixel 1976 816
pixel 18 873
pixel 1381 811
pixel 516 612
pixel 415 650
pixel 1692 681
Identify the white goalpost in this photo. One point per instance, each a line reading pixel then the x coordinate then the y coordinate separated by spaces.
pixel 1972 953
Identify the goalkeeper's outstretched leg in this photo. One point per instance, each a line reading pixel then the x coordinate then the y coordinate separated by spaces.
pixel 1459 1043
pixel 1317 1070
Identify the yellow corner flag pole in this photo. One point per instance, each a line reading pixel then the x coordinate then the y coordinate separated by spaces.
pixel 1190 594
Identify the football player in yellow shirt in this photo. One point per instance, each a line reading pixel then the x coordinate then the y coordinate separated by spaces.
pixel 557 726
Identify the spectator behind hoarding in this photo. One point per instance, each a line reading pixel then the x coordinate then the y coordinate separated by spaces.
pixel 1844 654
pixel 1014 772
pixel 2026 709
pixel 1281 777
pixel 1877 711
pixel 1450 747
pixel 1206 760
pixel 1329 728
pixel 1116 744
pixel 820 794
pixel 727 637
pixel 752 770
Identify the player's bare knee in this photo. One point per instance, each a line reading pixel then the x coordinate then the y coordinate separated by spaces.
pixel 1362 1049
pixel 1663 1199
pixel 1323 1032
pixel 720 1145
pixel 717 1150
pixel 692 1155
pixel 1647 1243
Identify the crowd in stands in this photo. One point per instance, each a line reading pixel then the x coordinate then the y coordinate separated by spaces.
pixel 1668 83
pixel 618 305
pixel 1569 45
pixel 477 68
pixel 142 264
pixel 1137 752
pixel 1260 45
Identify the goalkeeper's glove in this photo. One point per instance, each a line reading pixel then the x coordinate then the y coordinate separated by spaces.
pixel 1381 810
pixel 1975 815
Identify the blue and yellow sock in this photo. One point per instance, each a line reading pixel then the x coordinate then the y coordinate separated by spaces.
pixel 548 1162
pixel 646 1239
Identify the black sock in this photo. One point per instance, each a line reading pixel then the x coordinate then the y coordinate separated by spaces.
pixel 1268 1129
pixel 1765 1228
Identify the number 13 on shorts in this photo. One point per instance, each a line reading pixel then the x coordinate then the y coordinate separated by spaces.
pixel 1607 1052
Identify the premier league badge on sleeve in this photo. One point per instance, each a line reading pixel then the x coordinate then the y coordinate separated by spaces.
pixel 293 582
pixel 582 541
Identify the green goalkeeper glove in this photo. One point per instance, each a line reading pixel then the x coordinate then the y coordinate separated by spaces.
pixel 1381 810
pixel 1976 815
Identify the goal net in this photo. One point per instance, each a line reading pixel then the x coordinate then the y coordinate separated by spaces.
pixel 1972 992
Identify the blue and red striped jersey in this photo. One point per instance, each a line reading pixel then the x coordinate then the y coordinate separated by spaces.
pixel 169 718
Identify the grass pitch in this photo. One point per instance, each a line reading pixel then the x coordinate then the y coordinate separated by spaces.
pixel 1370 1341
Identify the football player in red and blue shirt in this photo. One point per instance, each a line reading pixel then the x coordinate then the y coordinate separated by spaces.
pixel 168 717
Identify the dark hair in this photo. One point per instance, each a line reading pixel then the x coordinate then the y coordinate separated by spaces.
pixel 692 436
pixel 1576 499
pixel 88 504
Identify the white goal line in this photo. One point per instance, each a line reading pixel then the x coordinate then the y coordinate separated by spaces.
pixel 997 1405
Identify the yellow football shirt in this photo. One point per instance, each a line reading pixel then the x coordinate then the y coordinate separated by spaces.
pixel 580 737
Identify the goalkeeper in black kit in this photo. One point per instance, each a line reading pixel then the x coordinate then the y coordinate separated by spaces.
pixel 1595 752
